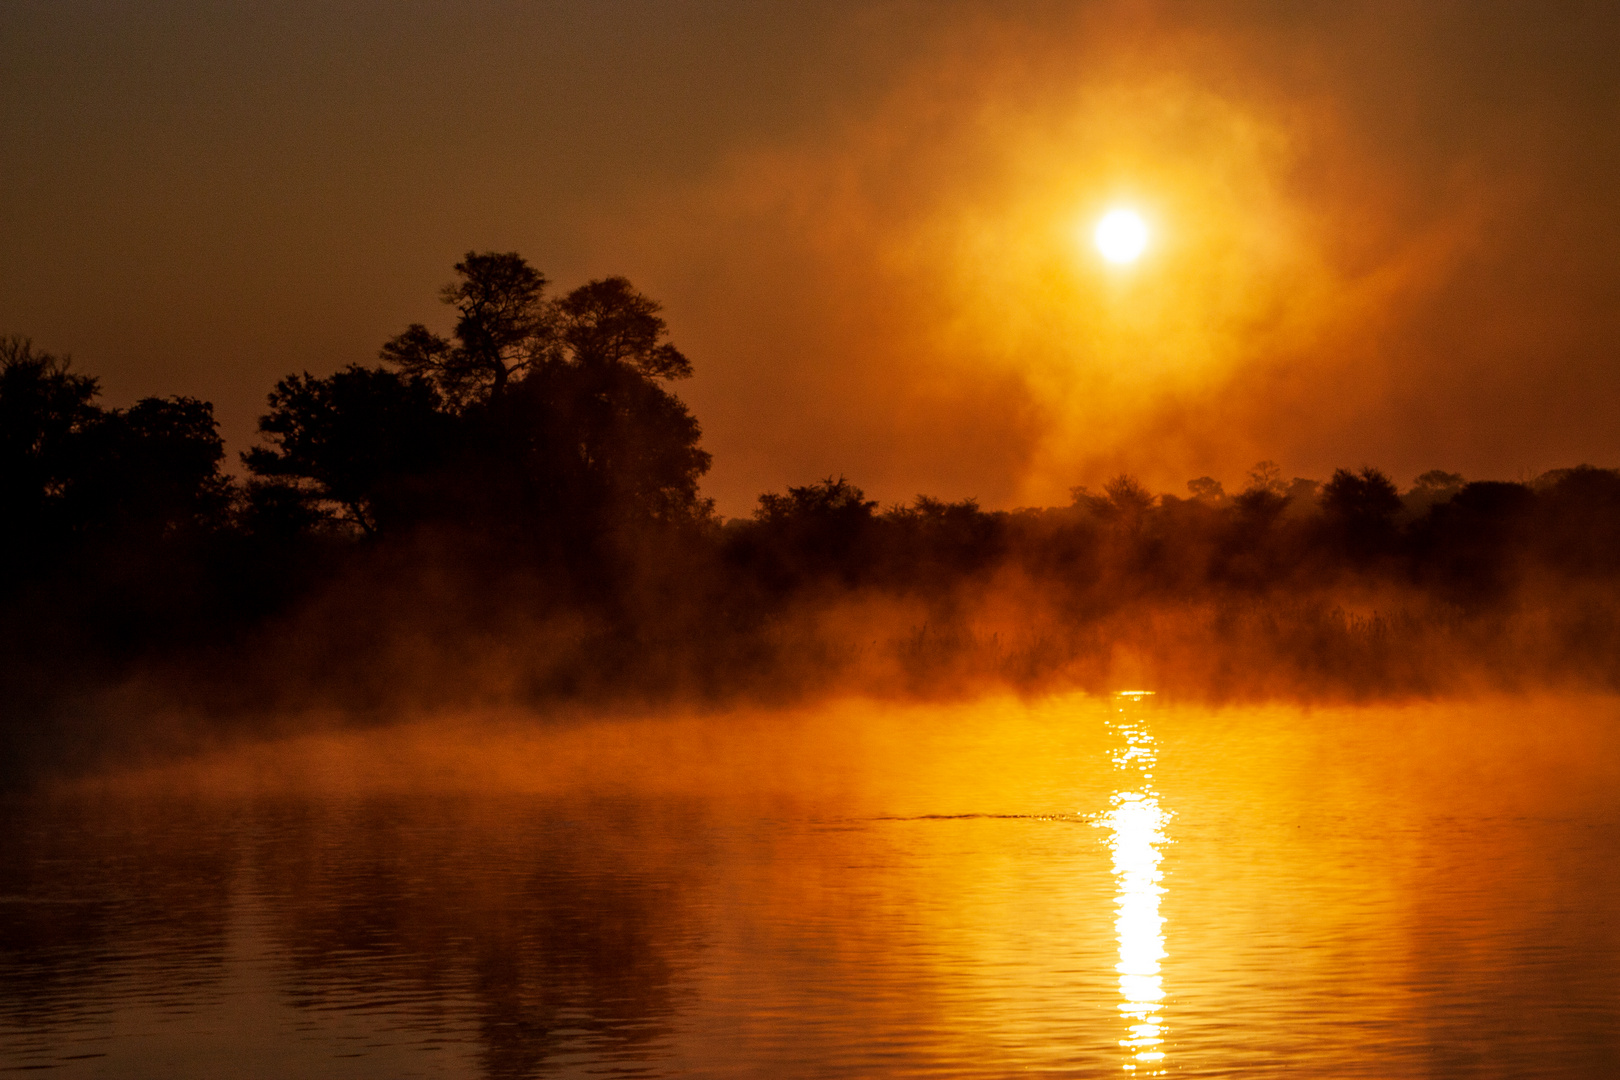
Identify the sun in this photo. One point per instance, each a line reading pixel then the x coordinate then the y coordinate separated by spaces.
pixel 1121 236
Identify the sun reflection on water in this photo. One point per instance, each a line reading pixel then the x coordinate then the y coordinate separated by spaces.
pixel 1136 833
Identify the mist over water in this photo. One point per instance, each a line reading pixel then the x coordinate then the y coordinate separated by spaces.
pixel 1066 886
pixel 793 606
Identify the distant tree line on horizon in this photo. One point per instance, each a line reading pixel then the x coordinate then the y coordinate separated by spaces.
pixel 535 461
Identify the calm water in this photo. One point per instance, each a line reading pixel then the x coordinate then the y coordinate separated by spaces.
pixel 1078 887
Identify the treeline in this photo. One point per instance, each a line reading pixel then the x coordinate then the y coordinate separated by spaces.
pixel 512 513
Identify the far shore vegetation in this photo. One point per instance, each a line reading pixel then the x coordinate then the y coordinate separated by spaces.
pixel 510 516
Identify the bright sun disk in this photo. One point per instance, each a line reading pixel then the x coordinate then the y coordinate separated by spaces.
pixel 1121 236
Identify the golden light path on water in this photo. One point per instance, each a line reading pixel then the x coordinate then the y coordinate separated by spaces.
pixel 1136 833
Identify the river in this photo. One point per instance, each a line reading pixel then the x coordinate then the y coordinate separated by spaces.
pixel 1067 887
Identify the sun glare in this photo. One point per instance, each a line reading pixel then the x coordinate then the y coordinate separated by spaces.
pixel 1136 826
pixel 1121 236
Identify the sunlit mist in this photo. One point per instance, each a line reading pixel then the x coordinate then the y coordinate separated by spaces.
pixel 845 539
pixel 1136 831
pixel 1121 236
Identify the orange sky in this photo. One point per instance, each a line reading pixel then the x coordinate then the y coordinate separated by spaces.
pixel 1384 233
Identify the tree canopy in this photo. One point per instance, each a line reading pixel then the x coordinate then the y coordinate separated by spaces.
pixel 538 416
pixel 502 329
pixel 44 408
pixel 348 441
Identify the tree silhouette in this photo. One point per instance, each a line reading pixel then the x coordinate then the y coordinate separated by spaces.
pixel 835 503
pixel 1264 500
pixel 502 330
pixel 1438 480
pixel 566 428
pixel 347 441
pixel 152 469
pixel 1367 497
pixel 1124 499
pixel 44 410
pixel 1580 528
pixel 809 532
pixel 932 542
pixel 1360 509
pixel 607 323
pixel 1207 490
pixel 586 439
pixel 599 442
pixel 1469 544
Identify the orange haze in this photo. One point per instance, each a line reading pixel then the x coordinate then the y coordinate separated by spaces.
pixel 1384 232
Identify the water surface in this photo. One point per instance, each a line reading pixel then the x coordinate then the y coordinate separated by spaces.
pixel 1075 887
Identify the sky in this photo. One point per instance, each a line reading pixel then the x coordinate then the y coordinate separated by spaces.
pixel 1382 233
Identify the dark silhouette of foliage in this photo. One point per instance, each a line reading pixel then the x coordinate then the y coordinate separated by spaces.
pixel 1127 497
pixel 349 442
pixel 602 439
pixel 1266 497
pixel 931 542
pixel 505 329
pixel 565 433
pixel 1206 489
pixel 1260 506
pixel 151 468
pixel 1472 544
pixel 527 488
pixel 502 330
pixel 1580 527
pixel 1360 508
pixel 1124 499
pixel 1430 489
pixel 279 510
pixel 1365 497
pixel 608 324
pixel 830 504
pixel 101 504
pixel 44 410
pixel 1438 480
pixel 820 530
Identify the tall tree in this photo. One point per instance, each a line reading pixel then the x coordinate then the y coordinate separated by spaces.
pixel 568 428
pixel 607 323
pixel 503 328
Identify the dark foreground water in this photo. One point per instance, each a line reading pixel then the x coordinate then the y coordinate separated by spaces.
pixel 1079 887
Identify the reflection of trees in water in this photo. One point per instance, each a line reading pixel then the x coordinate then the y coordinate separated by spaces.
pixel 558 925
pixel 90 893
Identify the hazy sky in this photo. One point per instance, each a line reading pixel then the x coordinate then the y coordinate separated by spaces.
pixel 1384 233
